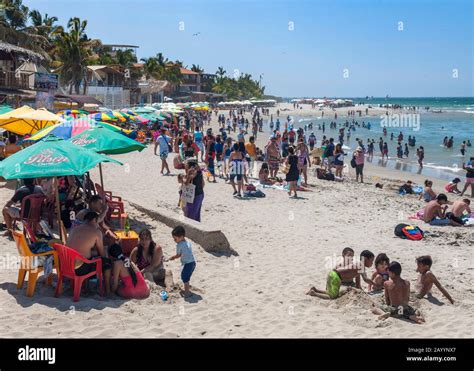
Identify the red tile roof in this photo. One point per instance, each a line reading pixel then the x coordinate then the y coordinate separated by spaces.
pixel 185 71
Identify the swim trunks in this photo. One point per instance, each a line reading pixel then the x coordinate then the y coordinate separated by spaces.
pixel 441 222
pixel 333 284
pixel 402 311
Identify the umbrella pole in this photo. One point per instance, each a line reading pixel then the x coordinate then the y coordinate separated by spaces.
pixel 101 176
pixel 58 209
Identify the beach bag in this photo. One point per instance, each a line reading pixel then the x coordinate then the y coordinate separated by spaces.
pixel 170 149
pixel 188 193
pixel 353 162
pixel 285 168
pixel 409 232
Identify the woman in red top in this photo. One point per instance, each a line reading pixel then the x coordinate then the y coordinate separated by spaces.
pixel 128 281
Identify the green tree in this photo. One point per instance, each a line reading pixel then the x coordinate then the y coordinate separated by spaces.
pixel 197 68
pixel 74 51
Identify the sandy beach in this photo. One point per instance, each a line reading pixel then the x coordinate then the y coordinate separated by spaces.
pixel 284 247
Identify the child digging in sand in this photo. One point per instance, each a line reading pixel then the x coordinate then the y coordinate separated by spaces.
pixel 426 279
pixel 345 274
pixel 184 251
pixel 397 294
pixel 347 258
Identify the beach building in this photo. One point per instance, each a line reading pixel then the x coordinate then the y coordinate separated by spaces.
pixel 17 73
pixel 106 83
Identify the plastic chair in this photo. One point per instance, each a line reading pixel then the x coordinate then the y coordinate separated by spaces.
pixel 25 264
pixel 117 212
pixel 116 207
pixel 106 195
pixel 36 203
pixel 67 258
pixel 28 232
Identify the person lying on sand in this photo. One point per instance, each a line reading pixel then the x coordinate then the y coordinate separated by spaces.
pixel 426 279
pixel 397 294
pixel 346 273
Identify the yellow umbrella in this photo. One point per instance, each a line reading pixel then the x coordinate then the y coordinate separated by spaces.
pixel 26 120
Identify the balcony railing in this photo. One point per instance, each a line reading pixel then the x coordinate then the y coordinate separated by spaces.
pixel 9 79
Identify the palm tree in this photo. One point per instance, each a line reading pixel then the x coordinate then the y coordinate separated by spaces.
pixel 125 57
pixel 162 61
pixel 221 72
pixel 151 68
pixel 15 14
pixel 14 28
pixel 74 52
pixel 197 68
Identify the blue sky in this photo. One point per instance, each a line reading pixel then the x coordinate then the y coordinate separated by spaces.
pixel 329 37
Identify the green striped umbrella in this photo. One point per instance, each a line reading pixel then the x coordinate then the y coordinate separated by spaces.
pixel 102 140
pixel 51 157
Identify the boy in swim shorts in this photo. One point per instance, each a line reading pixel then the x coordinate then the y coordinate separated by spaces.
pixel 427 279
pixel 397 295
pixel 338 275
pixel 347 258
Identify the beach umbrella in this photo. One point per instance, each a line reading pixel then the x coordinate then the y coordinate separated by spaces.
pixel 5 109
pixel 141 110
pixel 26 120
pixel 102 116
pixel 101 140
pixel 70 128
pixel 72 113
pixel 120 116
pixel 51 157
pixel 141 120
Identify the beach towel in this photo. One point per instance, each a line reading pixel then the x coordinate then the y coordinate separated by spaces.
pixel 417 189
pixel 256 194
pixel 418 216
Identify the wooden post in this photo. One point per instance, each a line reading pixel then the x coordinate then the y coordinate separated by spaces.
pixel 58 208
pixel 101 176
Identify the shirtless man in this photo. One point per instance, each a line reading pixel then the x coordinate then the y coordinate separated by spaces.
pixel 426 279
pixel 458 209
pixel 273 156
pixel 397 294
pixel 97 205
pixel 83 239
pixel 345 274
pixel 435 212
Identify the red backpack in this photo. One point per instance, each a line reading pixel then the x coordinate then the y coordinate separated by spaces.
pixel 409 232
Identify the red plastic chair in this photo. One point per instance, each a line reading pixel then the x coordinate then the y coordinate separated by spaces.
pixel 36 203
pixel 67 258
pixel 106 195
pixel 117 212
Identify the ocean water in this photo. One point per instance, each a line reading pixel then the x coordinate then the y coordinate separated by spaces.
pixel 456 119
